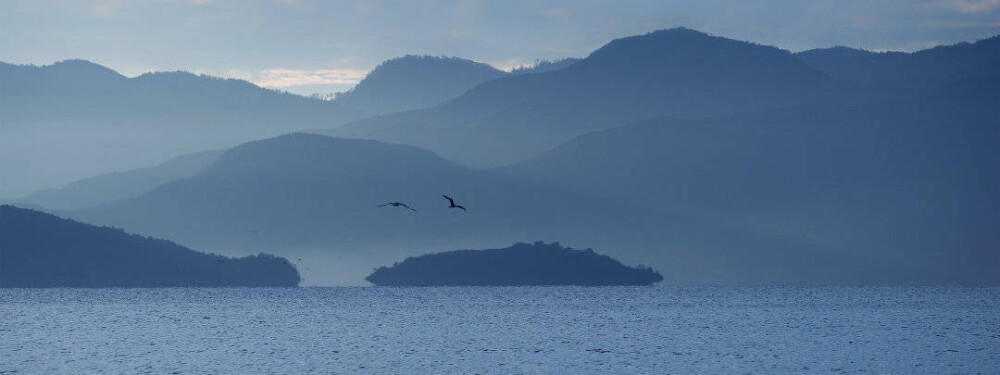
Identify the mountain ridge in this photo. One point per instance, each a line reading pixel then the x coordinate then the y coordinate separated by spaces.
pixel 922 70
pixel 615 84
pixel 41 250
pixel 76 123
pixel 105 188
pixel 416 81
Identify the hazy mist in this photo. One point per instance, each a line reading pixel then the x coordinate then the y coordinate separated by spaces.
pixel 716 154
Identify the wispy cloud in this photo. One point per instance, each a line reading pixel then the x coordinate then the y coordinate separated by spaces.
pixel 284 78
pixel 973 6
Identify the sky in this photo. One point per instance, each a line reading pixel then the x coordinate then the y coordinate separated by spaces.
pixel 306 46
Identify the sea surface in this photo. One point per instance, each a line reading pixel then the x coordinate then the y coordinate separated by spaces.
pixel 486 330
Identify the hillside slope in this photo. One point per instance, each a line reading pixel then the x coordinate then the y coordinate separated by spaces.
pixel 42 250
pixel 413 82
pixel 76 119
pixel 677 72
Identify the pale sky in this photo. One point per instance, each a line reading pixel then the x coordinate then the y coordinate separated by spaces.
pixel 307 46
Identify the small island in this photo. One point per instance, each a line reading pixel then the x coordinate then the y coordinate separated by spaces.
pixel 39 250
pixel 521 264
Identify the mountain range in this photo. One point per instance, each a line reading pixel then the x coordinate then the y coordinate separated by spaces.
pixel 676 72
pixel 303 194
pixel 106 188
pixel 76 119
pixel 713 160
pixel 108 123
pixel 906 189
pixel 918 71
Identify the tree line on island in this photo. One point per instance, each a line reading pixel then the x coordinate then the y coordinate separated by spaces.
pixel 521 264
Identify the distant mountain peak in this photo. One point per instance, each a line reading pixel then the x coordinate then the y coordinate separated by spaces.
pixel 680 45
pixel 677 35
pixel 416 81
pixel 82 66
pixel 181 76
pixel 428 60
pixel 79 63
pixel 680 30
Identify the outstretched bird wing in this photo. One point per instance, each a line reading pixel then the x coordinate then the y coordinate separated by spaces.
pixel 411 208
pixel 450 200
pixel 463 208
pixel 383 204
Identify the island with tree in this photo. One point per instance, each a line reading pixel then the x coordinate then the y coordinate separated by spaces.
pixel 521 264
pixel 39 250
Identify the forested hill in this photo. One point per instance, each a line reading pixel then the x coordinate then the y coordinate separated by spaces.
pixel 520 264
pixel 42 250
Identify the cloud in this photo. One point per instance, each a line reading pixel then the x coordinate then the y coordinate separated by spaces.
pixel 973 6
pixel 284 78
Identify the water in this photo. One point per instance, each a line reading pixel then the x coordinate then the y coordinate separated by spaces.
pixel 557 330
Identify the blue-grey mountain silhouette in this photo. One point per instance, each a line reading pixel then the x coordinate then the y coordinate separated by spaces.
pixel 77 119
pixel 110 187
pixel 288 188
pixel 518 265
pixel 309 193
pixel 893 192
pixel 768 171
pixel 677 72
pixel 413 82
pixel 907 72
pixel 42 250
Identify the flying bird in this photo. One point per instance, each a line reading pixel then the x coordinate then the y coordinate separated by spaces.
pixel 451 202
pixel 397 204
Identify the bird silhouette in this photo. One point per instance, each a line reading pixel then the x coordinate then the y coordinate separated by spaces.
pixel 397 204
pixel 451 203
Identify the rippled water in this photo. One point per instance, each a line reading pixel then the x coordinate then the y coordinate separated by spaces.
pixel 548 330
